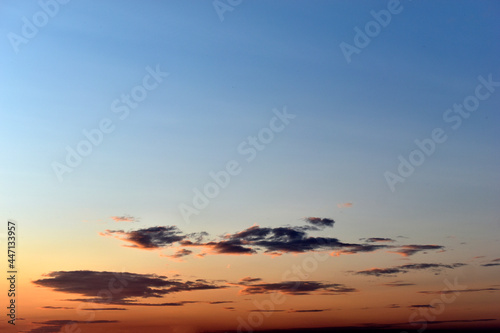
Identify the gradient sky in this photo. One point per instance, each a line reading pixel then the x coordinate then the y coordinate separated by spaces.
pixel 381 263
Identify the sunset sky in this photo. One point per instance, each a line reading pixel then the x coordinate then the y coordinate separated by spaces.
pixel 193 166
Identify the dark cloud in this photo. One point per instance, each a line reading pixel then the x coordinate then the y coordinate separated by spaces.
pixel 104 309
pixel 377 240
pixel 393 306
pixel 266 311
pixel 491 264
pixel 409 250
pixel 405 268
pixel 320 222
pixel 57 307
pixel 148 238
pixel 295 288
pixel 249 279
pixel 220 302
pixel 129 302
pixel 357 248
pixel 416 306
pixel 437 322
pixel 281 240
pixel 457 291
pixel 222 247
pixel 309 310
pixel 119 288
pixel 179 254
pixel 494 262
pixel 398 284
pixel 256 239
pixel 55 326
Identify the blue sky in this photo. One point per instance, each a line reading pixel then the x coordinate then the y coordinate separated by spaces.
pixel 225 78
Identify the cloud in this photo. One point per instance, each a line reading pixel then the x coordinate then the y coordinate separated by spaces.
pixel 104 309
pixel 273 241
pixel 148 238
pixel 248 279
pixel 320 222
pixel 359 248
pixel 345 205
pixel 220 302
pixel 416 306
pixel 437 322
pixel 377 240
pixel 266 311
pixel 398 284
pixel 125 218
pixel 179 254
pixel 406 268
pixel 491 264
pixel 308 310
pixel 57 307
pixel 494 262
pixel 54 326
pixel 294 288
pixel 457 291
pixel 223 247
pixel 119 288
pixel 408 250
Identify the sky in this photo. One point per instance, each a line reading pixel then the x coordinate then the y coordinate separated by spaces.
pixel 195 166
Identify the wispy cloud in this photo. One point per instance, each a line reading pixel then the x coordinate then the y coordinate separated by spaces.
pixel 491 289
pixel 104 309
pixel 408 267
pixel 494 262
pixel 308 310
pixel 398 284
pixel 50 326
pixel 377 240
pixel 436 322
pixel 345 205
pixel 408 250
pixel 125 218
pixel 416 306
